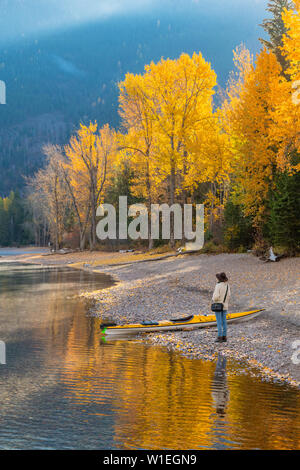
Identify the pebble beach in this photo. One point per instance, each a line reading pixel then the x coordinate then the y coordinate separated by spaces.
pixel 183 285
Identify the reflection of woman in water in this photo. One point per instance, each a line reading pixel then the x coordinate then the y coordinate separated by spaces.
pixel 220 391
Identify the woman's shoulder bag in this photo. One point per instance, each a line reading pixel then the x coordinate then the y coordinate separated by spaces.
pixel 218 306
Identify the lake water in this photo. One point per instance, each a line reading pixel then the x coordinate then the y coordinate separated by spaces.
pixel 22 251
pixel 63 387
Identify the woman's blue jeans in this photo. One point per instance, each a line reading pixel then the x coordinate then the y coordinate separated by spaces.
pixel 221 323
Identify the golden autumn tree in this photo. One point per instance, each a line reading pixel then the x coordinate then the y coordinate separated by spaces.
pixel 178 95
pixel 249 115
pixel 140 139
pixel 209 164
pixel 49 195
pixel 139 142
pixel 284 34
pixel 90 154
pixel 285 200
pixel 287 100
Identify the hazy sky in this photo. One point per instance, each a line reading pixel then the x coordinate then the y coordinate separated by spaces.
pixel 19 18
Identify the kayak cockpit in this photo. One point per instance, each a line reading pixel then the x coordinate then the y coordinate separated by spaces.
pixel 107 325
pixel 182 320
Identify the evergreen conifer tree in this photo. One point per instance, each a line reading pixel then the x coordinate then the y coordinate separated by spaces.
pixel 284 221
pixel 275 29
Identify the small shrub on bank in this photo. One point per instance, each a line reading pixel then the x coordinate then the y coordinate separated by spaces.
pixel 213 248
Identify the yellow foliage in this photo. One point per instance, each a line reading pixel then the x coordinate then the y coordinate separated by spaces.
pixel 291 41
pixel 90 154
pixel 287 105
pixel 139 144
pixel 89 160
pixel 174 138
pixel 250 120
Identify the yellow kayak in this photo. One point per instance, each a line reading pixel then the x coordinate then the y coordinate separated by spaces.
pixel 191 322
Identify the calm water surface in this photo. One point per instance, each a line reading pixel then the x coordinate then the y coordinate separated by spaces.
pixel 64 388
pixel 22 251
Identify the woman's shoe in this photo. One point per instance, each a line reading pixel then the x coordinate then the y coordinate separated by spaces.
pixel 219 339
pixel 224 339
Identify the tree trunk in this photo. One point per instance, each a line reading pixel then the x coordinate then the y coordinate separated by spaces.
pixel 184 200
pixel 82 240
pixel 56 214
pixel 212 206
pixel 150 240
pixel 94 201
pixel 93 229
pixel 172 201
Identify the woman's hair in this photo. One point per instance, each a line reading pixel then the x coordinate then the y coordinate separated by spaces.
pixel 221 277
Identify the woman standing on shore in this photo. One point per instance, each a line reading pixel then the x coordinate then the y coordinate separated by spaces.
pixel 221 295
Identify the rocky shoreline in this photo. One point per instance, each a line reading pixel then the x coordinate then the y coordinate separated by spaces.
pixel 183 285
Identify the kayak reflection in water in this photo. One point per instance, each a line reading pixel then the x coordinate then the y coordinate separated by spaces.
pixel 219 388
